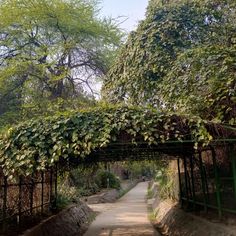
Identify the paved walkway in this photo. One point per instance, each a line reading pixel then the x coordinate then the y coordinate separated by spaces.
pixel 128 216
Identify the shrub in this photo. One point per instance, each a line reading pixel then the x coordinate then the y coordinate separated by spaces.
pixel 106 179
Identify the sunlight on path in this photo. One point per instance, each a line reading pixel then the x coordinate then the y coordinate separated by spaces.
pixel 127 216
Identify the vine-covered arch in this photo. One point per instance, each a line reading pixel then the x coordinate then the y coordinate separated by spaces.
pixel 32 152
pixel 98 132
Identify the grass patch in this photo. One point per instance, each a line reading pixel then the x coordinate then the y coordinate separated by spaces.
pixel 151 216
pixel 150 193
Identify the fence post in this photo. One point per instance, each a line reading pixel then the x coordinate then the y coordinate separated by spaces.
pixel 232 156
pixel 189 185
pixel 4 207
pixel 55 186
pixel 217 180
pixel 42 191
pixel 192 178
pixel 186 179
pixel 20 201
pixel 203 181
pixel 51 188
pixel 32 194
pixel 180 183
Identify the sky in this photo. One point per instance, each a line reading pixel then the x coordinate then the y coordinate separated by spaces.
pixel 128 12
pixel 131 10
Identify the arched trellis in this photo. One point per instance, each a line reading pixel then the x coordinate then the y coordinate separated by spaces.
pixel 112 134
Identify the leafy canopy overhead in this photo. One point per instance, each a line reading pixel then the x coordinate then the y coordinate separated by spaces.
pixel 181 58
pixel 51 52
pixel 41 143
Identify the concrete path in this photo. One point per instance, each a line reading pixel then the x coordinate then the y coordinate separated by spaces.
pixel 128 216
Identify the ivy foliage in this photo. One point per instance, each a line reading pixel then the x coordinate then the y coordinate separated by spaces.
pixel 206 84
pixel 51 54
pixel 39 144
pixel 190 44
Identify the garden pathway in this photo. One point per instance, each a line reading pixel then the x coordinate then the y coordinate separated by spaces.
pixel 128 216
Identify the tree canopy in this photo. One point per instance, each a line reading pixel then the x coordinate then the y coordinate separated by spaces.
pixel 51 53
pixel 181 58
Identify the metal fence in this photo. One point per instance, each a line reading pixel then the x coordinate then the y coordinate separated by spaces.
pixel 26 197
pixel 208 179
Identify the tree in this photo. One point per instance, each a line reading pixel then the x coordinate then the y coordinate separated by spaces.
pixel 156 66
pixel 202 81
pixel 51 51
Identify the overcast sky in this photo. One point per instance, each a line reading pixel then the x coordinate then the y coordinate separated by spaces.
pixel 132 10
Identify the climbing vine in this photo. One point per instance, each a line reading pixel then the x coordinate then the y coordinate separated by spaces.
pixel 203 82
pixel 41 143
pixel 187 44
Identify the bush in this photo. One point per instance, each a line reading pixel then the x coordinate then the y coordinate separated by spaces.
pixel 106 179
pixel 61 202
pixel 85 191
pixel 166 178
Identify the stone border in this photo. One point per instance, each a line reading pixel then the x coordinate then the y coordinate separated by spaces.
pixel 72 221
pixel 173 221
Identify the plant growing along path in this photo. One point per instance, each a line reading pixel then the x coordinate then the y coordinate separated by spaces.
pixel 127 216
